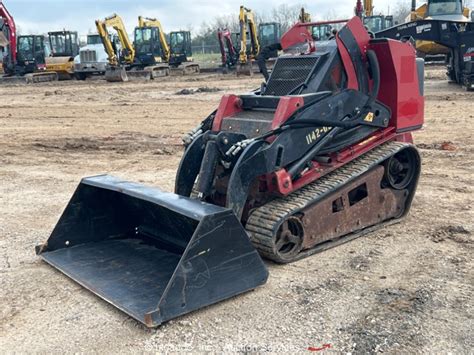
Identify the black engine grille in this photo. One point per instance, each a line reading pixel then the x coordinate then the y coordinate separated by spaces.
pixel 288 74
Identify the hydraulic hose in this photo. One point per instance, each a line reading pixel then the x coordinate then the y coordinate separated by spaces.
pixel 375 68
pixel 297 167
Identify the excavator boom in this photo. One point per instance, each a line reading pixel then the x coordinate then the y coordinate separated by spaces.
pixel 305 17
pixel 248 30
pixel 116 23
pixel 368 8
pixel 8 31
pixel 229 54
pixel 248 26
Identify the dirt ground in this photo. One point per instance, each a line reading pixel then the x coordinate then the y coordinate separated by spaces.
pixel 404 288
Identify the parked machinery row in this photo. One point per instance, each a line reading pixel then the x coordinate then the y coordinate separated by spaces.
pixel 151 54
pixel 60 56
pixel 23 55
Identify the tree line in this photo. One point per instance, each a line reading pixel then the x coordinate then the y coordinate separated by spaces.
pixel 286 15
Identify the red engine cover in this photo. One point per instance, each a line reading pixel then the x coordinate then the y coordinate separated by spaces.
pixel 399 86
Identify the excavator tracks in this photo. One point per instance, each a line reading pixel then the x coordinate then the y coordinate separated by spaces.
pixel 267 223
pixel 41 77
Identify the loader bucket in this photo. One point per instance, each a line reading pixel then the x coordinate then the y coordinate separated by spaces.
pixel 152 254
pixel 245 69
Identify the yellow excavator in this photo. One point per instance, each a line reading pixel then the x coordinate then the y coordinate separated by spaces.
pixel 177 53
pixel 253 39
pixel 149 56
pixel 451 10
pixel 304 17
pixel 120 59
pixel 124 62
pixel 150 41
pixel 373 23
pixel 319 31
pixel 249 44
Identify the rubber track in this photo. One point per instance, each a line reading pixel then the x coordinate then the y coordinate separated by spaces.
pixel 264 221
pixel 45 77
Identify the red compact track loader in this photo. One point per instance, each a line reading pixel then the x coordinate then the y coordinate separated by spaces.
pixel 321 154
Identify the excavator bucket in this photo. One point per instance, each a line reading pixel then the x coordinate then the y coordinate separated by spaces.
pixel 41 77
pixel 154 255
pixel 245 69
pixel 116 74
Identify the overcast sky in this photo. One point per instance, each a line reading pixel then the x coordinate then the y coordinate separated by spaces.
pixel 40 16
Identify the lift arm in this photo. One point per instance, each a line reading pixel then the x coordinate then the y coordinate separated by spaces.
pixel 151 22
pixel 247 20
pixel 116 23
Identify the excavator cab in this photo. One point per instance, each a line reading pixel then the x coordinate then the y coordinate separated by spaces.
pixel 181 54
pixel 389 21
pixel 378 23
pixel 269 33
pixel 93 39
pixel 31 55
pixel 64 43
pixel 180 45
pixel 148 50
pixel 321 32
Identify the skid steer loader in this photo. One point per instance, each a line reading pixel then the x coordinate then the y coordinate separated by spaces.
pixel 320 155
